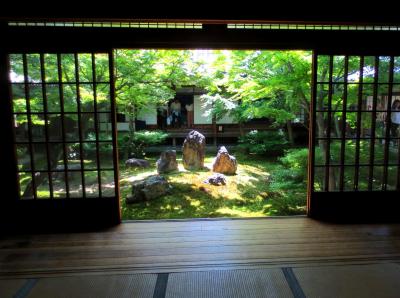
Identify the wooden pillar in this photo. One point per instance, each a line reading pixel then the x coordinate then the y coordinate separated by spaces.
pixel 9 181
pixel 214 128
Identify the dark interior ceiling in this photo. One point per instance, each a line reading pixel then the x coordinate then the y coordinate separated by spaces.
pixel 190 12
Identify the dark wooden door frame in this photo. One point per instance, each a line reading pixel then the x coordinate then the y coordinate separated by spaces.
pixel 212 36
pixel 358 205
pixel 69 214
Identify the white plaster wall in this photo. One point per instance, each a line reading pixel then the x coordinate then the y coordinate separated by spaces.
pixel 226 120
pixel 148 114
pixel 123 126
pixel 199 109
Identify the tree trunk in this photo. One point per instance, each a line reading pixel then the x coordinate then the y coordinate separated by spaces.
pixel 132 130
pixel 337 126
pixel 241 131
pixel 321 133
pixel 39 177
pixel 57 150
pixel 332 179
pixel 290 132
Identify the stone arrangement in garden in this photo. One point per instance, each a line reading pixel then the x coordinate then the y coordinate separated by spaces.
pixel 193 159
pixel 137 163
pixel 148 189
pixel 224 163
pixel 60 174
pixel 167 162
pixel 194 151
pixel 216 179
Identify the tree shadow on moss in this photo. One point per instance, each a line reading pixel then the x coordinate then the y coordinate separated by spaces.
pixel 186 200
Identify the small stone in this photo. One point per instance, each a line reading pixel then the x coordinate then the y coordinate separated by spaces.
pixel 216 179
pixel 60 170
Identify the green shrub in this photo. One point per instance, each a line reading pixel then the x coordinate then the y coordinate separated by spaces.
pixel 296 161
pixel 89 148
pixel 288 183
pixel 264 142
pixel 140 141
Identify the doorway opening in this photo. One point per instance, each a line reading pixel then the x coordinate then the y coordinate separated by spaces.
pixel 255 103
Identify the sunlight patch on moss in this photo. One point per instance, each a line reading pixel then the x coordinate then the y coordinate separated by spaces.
pixel 138 176
pixel 239 213
pixel 195 203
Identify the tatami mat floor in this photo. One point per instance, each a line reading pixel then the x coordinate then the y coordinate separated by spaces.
pixel 370 280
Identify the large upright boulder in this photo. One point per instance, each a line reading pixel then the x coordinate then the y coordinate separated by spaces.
pixel 194 150
pixel 224 163
pixel 167 162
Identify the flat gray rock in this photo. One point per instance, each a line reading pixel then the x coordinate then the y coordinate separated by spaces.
pixel 148 189
pixel 216 179
pixel 137 163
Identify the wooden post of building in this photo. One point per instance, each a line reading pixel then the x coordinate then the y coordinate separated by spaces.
pixel 9 182
pixel 214 128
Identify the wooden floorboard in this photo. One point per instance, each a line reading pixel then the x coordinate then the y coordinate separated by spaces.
pixel 179 245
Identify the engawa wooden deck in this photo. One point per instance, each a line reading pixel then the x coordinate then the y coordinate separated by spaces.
pixel 173 246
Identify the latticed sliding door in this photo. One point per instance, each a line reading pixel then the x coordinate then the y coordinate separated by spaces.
pixel 355 130
pixel 64 127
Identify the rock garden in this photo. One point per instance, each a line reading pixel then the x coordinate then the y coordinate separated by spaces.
pixel 196 184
